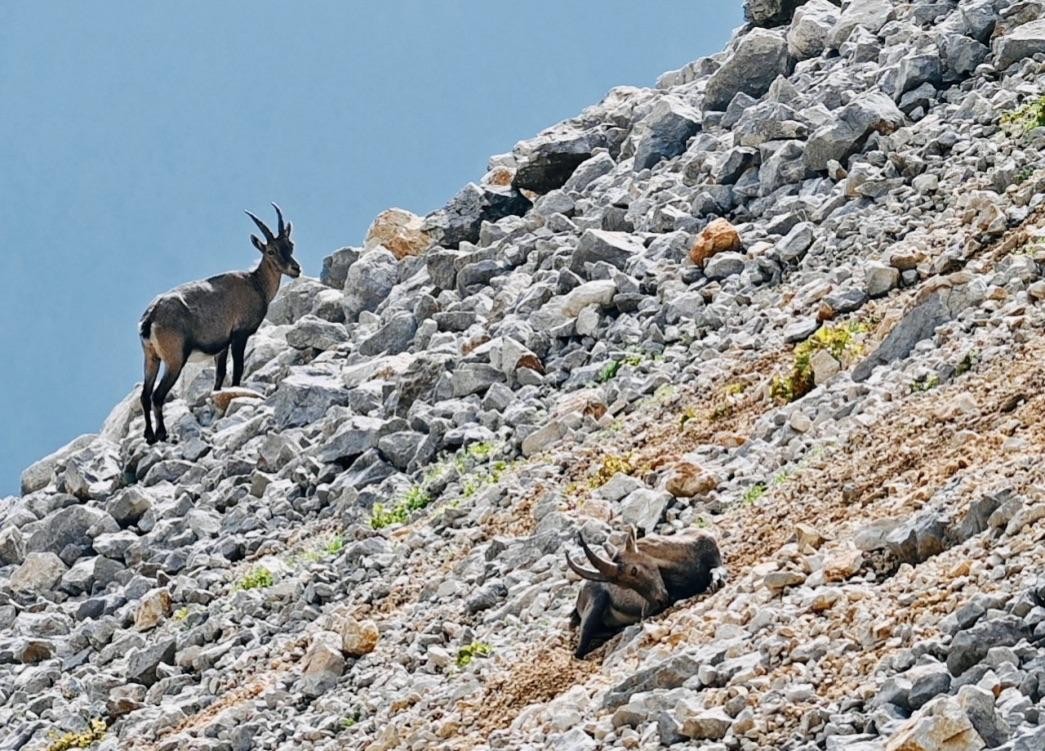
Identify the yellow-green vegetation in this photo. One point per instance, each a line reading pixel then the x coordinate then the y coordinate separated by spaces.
pixel 735 389
pixel 608 372
pixel 258 577
pixel 181 615
pixel 842 341
pixel 968 362
pixel 612 464
pixel 350 721
pixel 925 383
pixel 465 655
pixel 415 499
pixel 1023 175
pixel 1026 118
pixel 335 545
pixel 754 494
pixel 474 467
pixel 95 732
pixel 689 413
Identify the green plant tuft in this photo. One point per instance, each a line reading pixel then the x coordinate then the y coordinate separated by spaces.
pixel 608 372
pixel 842 341
pixel 465 655
pixel 925 383
pixel 754 494
pixel 1026 118
pixel 95 732
pixel 258 578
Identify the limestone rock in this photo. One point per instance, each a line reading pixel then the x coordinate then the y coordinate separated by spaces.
pixel 399 231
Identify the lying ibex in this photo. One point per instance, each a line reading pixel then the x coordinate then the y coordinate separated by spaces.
pixel 211 316
pixel 644 578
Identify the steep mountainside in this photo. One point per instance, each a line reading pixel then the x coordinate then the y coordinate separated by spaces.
pixel 792 295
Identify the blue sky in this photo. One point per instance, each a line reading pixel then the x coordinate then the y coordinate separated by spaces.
pixel 134 134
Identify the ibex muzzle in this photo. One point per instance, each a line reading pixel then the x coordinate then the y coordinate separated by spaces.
pixel 211 316
pixel 647 576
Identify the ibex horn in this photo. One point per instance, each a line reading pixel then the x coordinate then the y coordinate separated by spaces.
pixel 261 225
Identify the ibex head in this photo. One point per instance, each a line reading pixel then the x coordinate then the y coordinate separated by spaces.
pixel 630 568
pixel 278 248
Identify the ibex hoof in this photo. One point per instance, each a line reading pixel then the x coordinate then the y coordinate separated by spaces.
pixel 718 578
pixel 150 437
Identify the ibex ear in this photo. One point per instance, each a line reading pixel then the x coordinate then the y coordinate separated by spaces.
pixel 629 541
pixel 286 232
pixel 257 243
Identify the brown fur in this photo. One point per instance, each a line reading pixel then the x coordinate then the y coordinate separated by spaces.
pixel 212 316
pixel 645 577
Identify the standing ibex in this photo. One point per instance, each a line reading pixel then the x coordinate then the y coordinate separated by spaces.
pixel 646 577
pixel 211 316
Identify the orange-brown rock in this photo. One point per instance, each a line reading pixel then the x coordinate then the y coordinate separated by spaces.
pixel 718 237
pixel 501 176
pixel 686 480
pixel 223 398
pixel 400 232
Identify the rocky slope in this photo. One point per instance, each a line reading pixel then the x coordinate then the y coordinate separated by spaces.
pixel 842 381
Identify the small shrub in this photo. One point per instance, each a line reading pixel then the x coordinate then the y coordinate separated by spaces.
pixel 95 732
pixel 481 450
pixel 967 363
pixel 611 465
pixel 609 371
pixel 1026 118
pixel 350 721
pixel 689 413
pixel 335 546
pixel 415 499
pixel 258 578
pixel 181 615
pixel 754 494
pixel 925 383
pixel 735 389
pixel 1023 175
pixel 842 341
pixel 465 655
pixel 633 360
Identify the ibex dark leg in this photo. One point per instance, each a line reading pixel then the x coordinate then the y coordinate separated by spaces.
pixel 152 369
pixel 170 376
pixel 591 624
pixel 239 347
pixel 220 361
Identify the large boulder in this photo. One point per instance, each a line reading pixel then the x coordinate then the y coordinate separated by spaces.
pixel 399 231
pixel 770 12
pixel 663 133
pixel 461 219
pixel 547 161
pixel 760 56
pixel 615 248
pixel 298 299
pixel 811 29
pixel 1023 41
pixel 845 135
pixel 336 266
pixel 871 15
pixel 369 280
pixel 718 237
pixel 305 397
pixel 74 525
pixel 39 474
pixel 38 572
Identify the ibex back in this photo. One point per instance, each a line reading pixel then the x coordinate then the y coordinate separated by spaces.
pixel 644 578
pixel 212 317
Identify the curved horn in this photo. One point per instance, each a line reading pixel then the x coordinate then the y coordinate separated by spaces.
pixel 261 225
pixel 584 573
pixel 604 567
pixel 279 215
